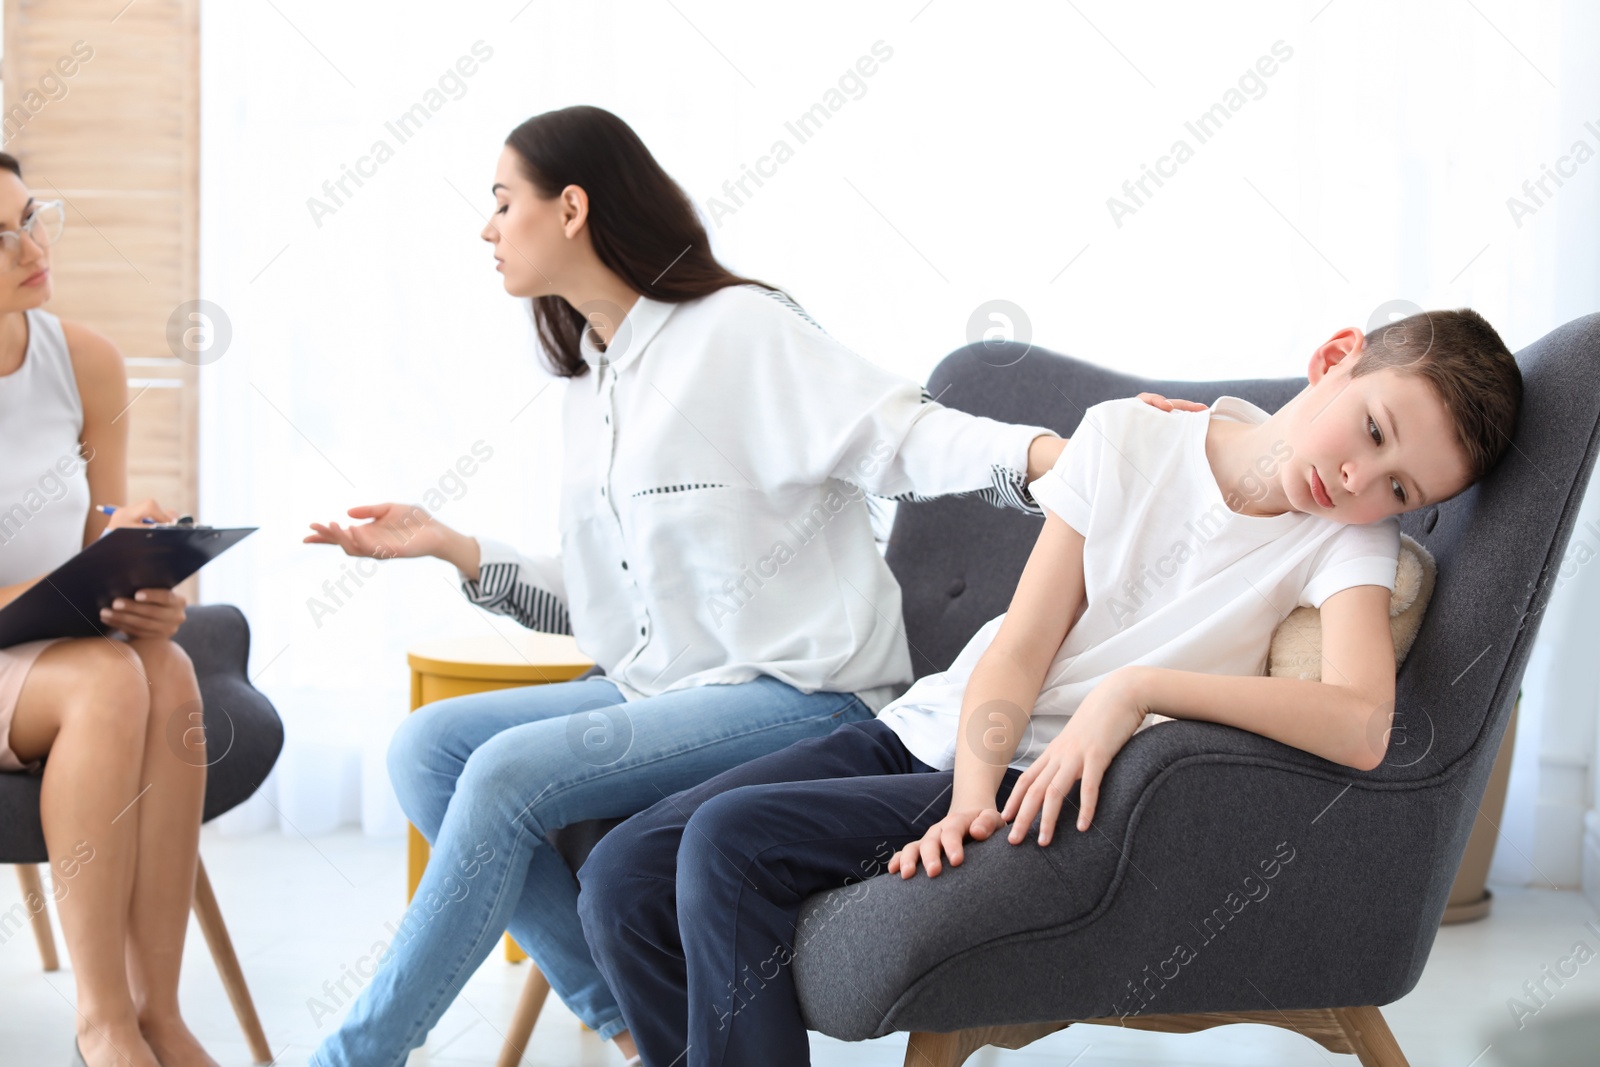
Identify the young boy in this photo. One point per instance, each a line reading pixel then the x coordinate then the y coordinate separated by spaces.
pixel 1173 545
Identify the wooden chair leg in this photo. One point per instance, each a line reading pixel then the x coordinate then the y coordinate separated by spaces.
pixel 937 1050
pixel 529 1005
pixel 951 1050
pixel 1361 1031
pixel 33 889
pixel 221 945
pixel 1371 1037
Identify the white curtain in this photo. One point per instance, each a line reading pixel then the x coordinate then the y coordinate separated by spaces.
pixel 1339 156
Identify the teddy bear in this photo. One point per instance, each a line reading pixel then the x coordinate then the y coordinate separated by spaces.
pixel 1297 643
pixel 1296 650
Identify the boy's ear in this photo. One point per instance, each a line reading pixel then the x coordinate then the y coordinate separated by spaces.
pixel 1347 342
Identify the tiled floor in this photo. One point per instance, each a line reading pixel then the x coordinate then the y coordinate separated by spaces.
pixel 300 910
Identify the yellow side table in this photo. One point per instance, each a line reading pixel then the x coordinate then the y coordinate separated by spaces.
pixel 456 666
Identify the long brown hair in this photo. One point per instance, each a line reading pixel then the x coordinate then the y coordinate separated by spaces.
pixel 641 222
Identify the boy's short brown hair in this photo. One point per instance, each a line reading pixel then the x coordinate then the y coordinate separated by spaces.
pixel 1470 370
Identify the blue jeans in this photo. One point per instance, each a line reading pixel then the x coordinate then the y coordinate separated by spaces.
pixel 692 906
pixel 485 777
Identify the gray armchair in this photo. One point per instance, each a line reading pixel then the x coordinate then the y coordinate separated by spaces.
pixel 1147 920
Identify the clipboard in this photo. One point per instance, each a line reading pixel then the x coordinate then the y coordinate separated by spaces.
pixel 67 601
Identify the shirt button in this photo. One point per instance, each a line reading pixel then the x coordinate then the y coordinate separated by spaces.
pixel 608 420
pixel 641 631
pixel 624 564
pixel 602 490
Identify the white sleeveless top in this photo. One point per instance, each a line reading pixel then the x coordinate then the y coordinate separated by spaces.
pixel 44 487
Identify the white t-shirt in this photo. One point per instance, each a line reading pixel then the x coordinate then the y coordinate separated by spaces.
pixel 1172 576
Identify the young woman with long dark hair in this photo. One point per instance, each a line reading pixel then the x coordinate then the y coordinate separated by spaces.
pixel 717 562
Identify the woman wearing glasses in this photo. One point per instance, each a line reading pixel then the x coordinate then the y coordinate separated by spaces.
pixel 120 806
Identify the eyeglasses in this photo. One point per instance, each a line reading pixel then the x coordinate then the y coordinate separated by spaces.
pixel 44 225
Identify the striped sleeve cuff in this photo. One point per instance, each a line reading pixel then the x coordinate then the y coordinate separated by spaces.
pixel 1008 480
pixel 1010 490
pixel 504 587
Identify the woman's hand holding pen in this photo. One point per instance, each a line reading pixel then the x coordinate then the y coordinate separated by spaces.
pixel 141 514
pixel 1084 748
pixel 398 531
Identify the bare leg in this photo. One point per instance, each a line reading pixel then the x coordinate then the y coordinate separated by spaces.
pixel 85 704
pixel 625 1045
pixel 169 837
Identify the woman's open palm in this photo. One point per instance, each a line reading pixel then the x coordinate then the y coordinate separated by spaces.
pixel 396 531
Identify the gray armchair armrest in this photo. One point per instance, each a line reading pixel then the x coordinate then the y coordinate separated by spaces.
pixel 243 732
pixel 1187 813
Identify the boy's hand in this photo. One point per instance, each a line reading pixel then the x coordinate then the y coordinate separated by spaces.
pixel 1156 400
pixel 1094 734
pixel 947 833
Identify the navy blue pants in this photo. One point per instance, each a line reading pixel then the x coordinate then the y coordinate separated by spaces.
pixel 690 906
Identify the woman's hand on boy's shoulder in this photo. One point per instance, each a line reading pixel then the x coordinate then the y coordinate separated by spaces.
pixel 1084 748
pixel 1156 400
pixel 1044 450
pixel 946 837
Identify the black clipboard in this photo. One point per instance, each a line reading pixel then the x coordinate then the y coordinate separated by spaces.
pixel 67 601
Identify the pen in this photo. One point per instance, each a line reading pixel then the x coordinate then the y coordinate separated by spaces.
pixel 109 508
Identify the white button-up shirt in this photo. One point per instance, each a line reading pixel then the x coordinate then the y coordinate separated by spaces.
pixel 714 523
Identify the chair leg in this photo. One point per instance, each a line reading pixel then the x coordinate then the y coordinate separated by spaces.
pixel 927 1049
pixel 938 1050
pixel 1371 1037
pixel 529 1005
pixel 33 888
pixel 221 945
pixel 1362 1031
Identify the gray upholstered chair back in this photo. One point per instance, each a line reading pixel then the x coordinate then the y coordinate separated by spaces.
pixel 1499 544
